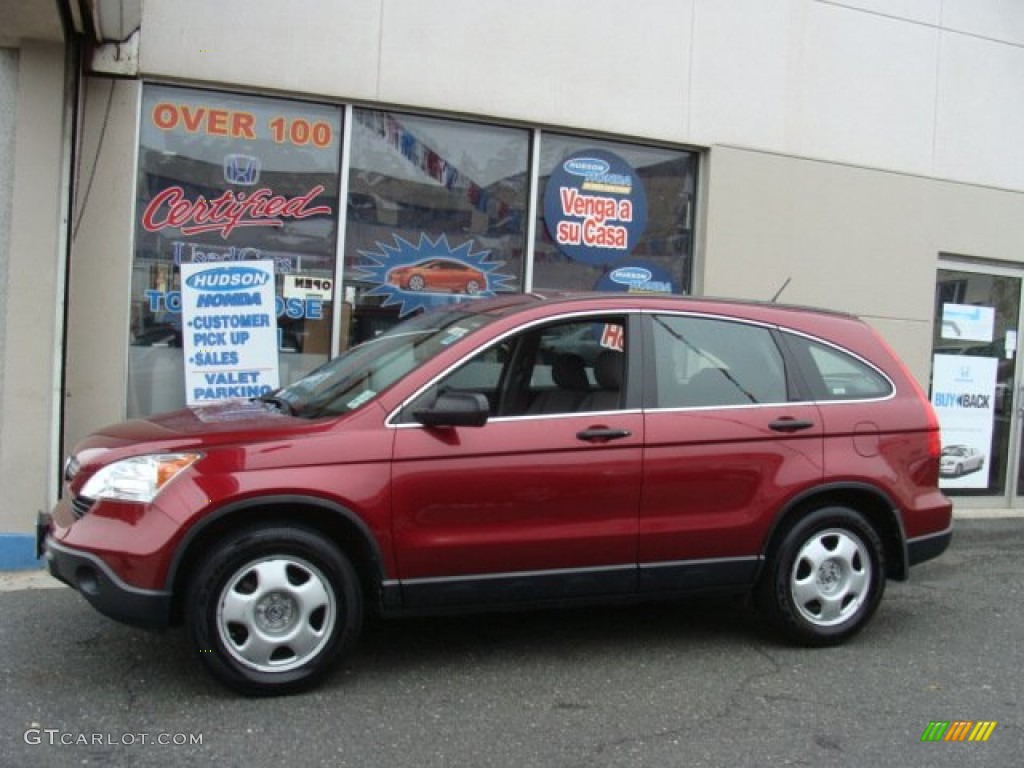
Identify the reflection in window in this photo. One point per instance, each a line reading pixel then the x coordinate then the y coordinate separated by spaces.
pixel 436 215
pixel 835 375
pixel 702 363
pixel 226 178
pixel 361 373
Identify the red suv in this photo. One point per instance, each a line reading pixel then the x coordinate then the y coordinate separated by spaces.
pixel 521 451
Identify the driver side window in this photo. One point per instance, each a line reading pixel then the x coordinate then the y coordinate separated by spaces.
pixel 578 366
pixel 565 367
pixel 482 373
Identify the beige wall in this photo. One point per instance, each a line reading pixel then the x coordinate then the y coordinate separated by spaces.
pixel 918 86
pixel 8 119
pixel 29 461
pixel 595 64
pixel 852 239
pixel 101 257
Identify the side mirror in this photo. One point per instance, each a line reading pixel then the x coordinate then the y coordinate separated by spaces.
pixel 456 409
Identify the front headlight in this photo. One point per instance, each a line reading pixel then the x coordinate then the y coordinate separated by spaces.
pixel 139 478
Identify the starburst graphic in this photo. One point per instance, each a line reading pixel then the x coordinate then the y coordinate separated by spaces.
pixel 430 273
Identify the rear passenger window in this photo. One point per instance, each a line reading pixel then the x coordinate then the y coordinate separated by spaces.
pixel 836 375
pixel 701 362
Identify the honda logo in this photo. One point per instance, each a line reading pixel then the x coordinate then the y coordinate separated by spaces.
pixel 243 170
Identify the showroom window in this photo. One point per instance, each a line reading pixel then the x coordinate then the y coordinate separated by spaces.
pixel 436 215
pixel 437 211
pixel 225 179
pixel 613 216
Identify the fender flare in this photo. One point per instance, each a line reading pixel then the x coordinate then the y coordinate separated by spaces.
pixel 898 571
pixel 197 530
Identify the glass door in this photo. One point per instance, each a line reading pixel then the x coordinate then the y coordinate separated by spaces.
pixel 974 383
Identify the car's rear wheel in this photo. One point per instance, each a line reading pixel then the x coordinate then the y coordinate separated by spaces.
pixel 272 608
pixel 825 578
pixel 472 287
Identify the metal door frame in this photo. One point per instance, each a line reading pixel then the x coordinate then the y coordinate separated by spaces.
pixel 1012 497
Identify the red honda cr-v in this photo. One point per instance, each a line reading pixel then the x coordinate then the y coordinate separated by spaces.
pixel 517 451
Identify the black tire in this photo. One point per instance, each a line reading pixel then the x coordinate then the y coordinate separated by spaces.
pixel 824 579
pixel 272 608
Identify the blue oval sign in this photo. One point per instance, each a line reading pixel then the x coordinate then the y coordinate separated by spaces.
pixel 228 279
pixel 639 276
pixel 595 207
pixel 635 276
pixel 586 166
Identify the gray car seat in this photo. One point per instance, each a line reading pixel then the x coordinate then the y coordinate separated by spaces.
pixel 569 373
pixel 608 372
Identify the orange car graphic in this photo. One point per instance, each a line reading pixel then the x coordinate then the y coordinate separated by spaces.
pixel 439 275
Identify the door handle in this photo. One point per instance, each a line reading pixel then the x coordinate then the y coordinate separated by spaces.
pixel 787 424
pixel 602 434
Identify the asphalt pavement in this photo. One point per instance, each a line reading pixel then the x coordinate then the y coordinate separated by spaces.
pixel 700 683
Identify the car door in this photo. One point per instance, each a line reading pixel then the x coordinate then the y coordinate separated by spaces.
pixel 539 503
pixel 727 443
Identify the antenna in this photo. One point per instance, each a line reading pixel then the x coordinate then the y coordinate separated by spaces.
pixel 781 289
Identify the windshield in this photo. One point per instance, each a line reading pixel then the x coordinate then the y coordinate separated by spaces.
pixel 360 374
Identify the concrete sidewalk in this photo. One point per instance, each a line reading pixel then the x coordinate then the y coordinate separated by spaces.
pixel 987 514
pixel 11 581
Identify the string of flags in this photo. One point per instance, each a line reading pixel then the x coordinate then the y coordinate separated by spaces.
pixel 423 157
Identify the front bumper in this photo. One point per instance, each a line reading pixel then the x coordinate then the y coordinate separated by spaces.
pixel 89 575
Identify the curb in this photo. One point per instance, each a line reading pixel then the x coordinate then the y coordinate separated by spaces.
pixel 987 514
pixel 16 581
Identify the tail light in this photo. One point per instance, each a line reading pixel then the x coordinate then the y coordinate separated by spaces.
pixel 930 468
pixel 928 472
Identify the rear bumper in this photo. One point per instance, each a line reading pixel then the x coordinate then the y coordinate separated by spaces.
pixel 927 547
pixel 100 586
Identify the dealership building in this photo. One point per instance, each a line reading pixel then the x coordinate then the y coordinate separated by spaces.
pixel 373 158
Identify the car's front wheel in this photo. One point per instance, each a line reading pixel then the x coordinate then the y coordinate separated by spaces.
pixel 417 283
pixel 825 577
pixel 272 608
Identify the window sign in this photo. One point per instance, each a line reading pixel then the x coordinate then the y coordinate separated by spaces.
pixel 436 215
pixel 229 323
pixel 638 277
pixel 429 272
pixel 613 217
pixel 227 179
pixel 595 207
pixel 303 288
pixel 964 397
pixel 967 322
